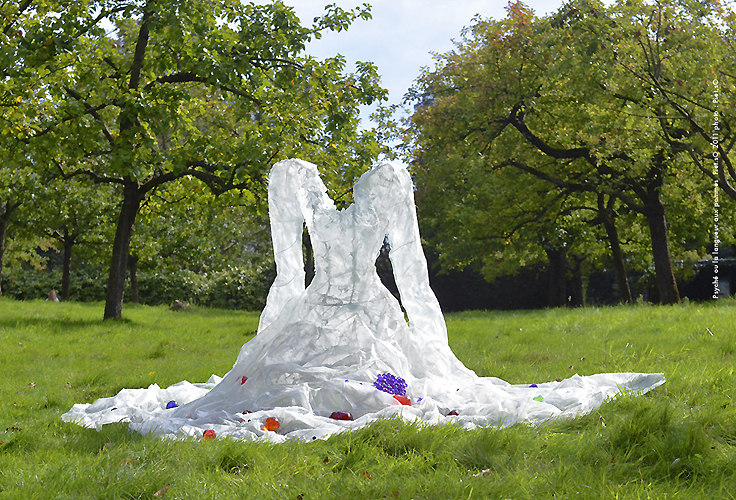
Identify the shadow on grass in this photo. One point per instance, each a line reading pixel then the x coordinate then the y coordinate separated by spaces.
pixel 492 448
pixel 649 433
pixel 72 438
pixel 53 321
pixel 81 440
pixel 232 457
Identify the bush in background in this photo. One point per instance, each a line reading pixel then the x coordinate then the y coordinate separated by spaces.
pixel 230 288
pixel 87 284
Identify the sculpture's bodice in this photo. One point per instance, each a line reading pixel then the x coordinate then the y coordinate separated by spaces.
pixel 346 244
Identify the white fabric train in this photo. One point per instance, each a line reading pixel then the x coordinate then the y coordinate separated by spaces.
pixel 320 350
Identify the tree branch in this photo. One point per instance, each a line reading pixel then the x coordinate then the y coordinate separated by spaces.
pixel 723 181
pixel 76 95
pixel 191 77
pixel 140 49
pixel 572 187
pixel 102 15
pixel 21 9
pixel 112 64
pixel 516 118
pixel 69 117
pixel 96 178
pixel 202 171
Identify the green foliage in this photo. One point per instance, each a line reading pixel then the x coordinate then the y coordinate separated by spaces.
pixel 184 226
pixel 236 288
pixel 88 283
pixel 231 288
pixel 677 441
pixel 218 91
pixel 74 210
pixel 30 284
pixel 517 133
pixel 174 91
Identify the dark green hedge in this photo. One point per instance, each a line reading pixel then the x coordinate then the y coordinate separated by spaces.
pixel 231 288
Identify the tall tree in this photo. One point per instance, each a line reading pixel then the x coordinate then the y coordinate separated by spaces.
pixel 7 207
pixel 216 91
pixel 684 53
pixel 18 183
pixel 72 212
pixel 506 221
pixel 554 98
pixel 34 36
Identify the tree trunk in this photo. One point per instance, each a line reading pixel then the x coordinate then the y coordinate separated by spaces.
pixel 6 210
pixel 577 294
pixel 3 232
pixel 557 277
pixel 120 249
pixel 665 276
pixel 618 260
pixel 66 268
pixel 132 194
pixel 607 217
pixel 133 268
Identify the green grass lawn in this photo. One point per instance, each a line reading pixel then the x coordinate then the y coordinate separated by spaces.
pixel 679 441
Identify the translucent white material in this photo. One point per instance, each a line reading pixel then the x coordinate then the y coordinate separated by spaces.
pixel 320 349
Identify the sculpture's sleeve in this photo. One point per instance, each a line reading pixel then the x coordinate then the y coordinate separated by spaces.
pixel 410 266
pixel 287 222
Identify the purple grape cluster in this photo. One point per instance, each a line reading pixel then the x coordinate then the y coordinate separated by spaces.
pixel 392 384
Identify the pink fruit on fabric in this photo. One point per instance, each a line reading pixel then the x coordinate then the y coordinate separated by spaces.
pixel 341 415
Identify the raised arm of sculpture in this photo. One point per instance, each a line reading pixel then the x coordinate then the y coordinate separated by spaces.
pixel 287 222
pixel 295 190
pixel 410 266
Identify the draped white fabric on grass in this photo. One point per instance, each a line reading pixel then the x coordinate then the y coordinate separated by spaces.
pixel 319 350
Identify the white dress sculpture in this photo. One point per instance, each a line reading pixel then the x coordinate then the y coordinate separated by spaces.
pixel 343 344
